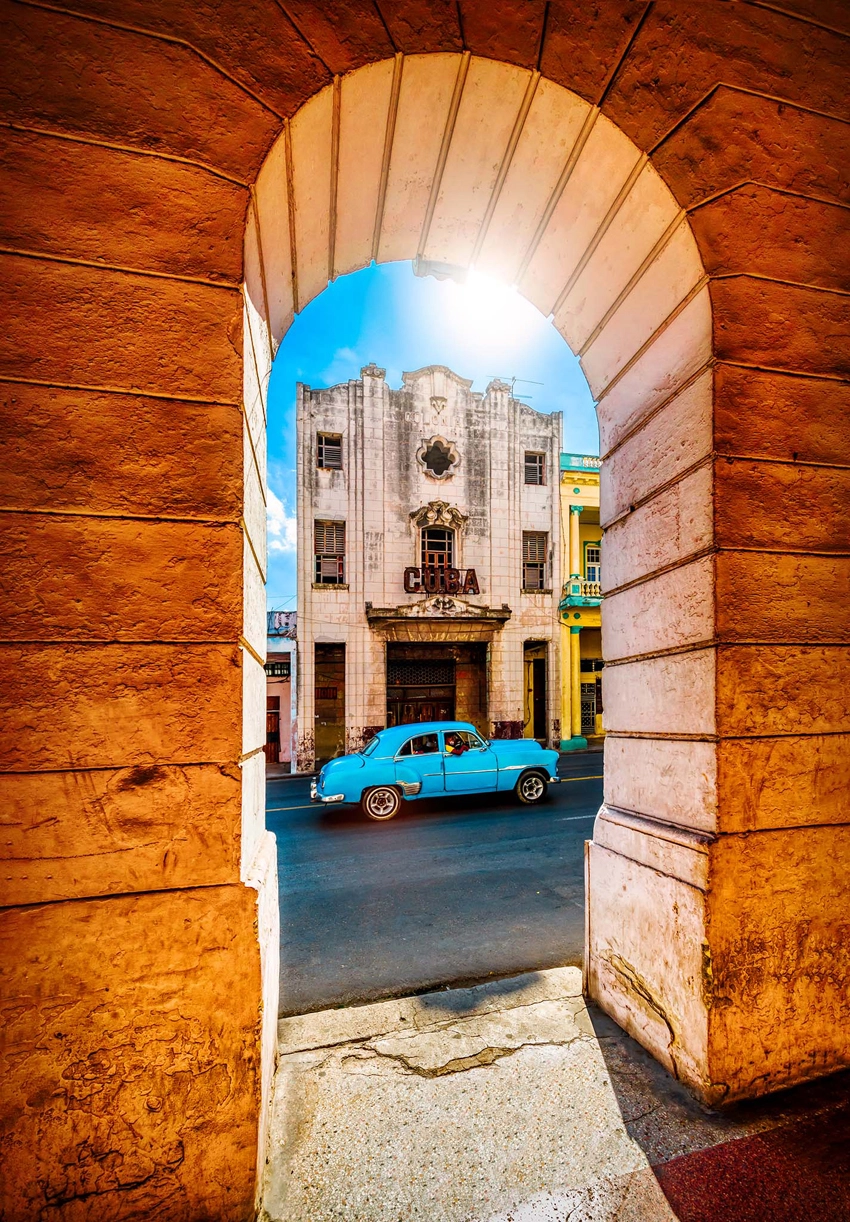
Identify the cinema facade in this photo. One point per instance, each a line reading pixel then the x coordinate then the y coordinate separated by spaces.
pixel 429 561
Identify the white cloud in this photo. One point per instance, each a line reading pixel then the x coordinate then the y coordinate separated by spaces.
pixel 344 364
pixel 281 526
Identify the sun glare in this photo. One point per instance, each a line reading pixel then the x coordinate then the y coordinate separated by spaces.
pixel 490 314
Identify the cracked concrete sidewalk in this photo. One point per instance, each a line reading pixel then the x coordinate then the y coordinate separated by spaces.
pixel 507 1102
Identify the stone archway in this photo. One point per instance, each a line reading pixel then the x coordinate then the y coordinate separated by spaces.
pixel 713 342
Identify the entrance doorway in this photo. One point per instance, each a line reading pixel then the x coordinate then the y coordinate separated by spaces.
pixel 329 718
pixel 437 682
pixel 535 717
pixel 272 744
pixel 420 690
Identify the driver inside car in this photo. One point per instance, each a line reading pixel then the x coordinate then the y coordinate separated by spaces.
pixel 455 744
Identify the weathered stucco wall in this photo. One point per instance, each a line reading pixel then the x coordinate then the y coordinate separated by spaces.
pixel 133 457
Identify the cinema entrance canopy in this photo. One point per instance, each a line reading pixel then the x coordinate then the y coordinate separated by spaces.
pixel 662 180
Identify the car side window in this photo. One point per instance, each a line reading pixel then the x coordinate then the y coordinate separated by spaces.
pixel 458 741
pixel 422 744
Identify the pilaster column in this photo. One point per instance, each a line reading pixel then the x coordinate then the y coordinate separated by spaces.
pixel 571 688
pixel 575 547
pixel 566 687
pixel 575 679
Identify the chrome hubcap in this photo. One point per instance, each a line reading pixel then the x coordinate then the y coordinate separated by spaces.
pixel 532 787
pixel 382 802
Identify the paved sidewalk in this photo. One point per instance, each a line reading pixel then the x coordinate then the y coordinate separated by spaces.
pixel 514 1102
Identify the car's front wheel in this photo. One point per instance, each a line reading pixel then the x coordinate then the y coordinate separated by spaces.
pixel 382 802
pixel 531 788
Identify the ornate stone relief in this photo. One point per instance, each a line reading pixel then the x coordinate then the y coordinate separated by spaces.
pixel 437 404
pixel 437 457
pixel 439 513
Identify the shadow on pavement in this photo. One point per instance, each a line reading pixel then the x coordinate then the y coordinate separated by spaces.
pixel 782 1158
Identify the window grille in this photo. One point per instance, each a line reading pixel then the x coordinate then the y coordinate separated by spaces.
pixel 534 468
pixel 280 670
pixel 330 553
pixel 435 672
pixel 534 548
pixel 438 548
pixel 329 451
pixel 593 564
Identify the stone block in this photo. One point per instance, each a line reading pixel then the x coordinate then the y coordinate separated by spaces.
pixel 651 302
pixel 491 101
pixel 679 352
pixel 511 32
pixel 671 781
pixel 108 579
pixel 108 706
pixel 312 143
pixel 670 610
pixel 668 529
pixel 780 958
pixel 427 85
pixel 551 128
pixel 781 505
pixel 344 36
pixel 156 95
pixel 773 415
pixel 681 54
pixel 164 216
pixel 643 217
pixel 245 39
pixel 646 933
pixel 110 453
pixel 132 1056
pixel 782 689
pixel 583 47
pixel 605 162
pixel 364 112
pixel 764 232
pixel 783 782
pixel 273 204
pixel 781 326
pixel 110 330
pixel 672 694
pixel 419 25
pixel 782 598
pixel 736 136
pixel 72 835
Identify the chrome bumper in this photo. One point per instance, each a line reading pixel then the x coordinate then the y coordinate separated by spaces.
pixel 319 797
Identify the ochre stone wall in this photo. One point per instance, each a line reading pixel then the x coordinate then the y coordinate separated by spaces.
pixel 133 135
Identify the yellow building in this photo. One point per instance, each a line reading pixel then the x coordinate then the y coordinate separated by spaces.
pixel 580 610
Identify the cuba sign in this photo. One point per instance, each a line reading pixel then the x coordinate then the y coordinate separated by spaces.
pixel 438 579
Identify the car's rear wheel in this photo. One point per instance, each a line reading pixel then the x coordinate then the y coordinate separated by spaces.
pixel 383 802
pixel 531 788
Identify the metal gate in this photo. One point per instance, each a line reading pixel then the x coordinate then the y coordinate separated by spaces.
pixel 588 708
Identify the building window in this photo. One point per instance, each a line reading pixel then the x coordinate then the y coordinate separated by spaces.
pixel 437 457
pixel 278 670
pixel 330 553
pixel 592 563
pixel 329 451
pixel 534 548
pixel 534 468
pixel 438 547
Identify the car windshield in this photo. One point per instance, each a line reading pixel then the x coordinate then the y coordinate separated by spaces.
pixel 370 746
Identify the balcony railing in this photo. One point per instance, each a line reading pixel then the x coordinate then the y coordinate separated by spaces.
pixel 578 592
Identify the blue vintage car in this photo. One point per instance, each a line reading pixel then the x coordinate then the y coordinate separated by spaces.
pixel 430 759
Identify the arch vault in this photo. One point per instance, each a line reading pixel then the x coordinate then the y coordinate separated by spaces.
pixel 685 239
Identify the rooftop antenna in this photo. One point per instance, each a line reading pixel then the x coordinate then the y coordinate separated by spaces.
pixel 513 381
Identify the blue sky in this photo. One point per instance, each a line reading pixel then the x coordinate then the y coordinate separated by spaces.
pixel 402 322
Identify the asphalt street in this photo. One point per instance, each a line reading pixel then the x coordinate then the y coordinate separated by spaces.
pixel 451 891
